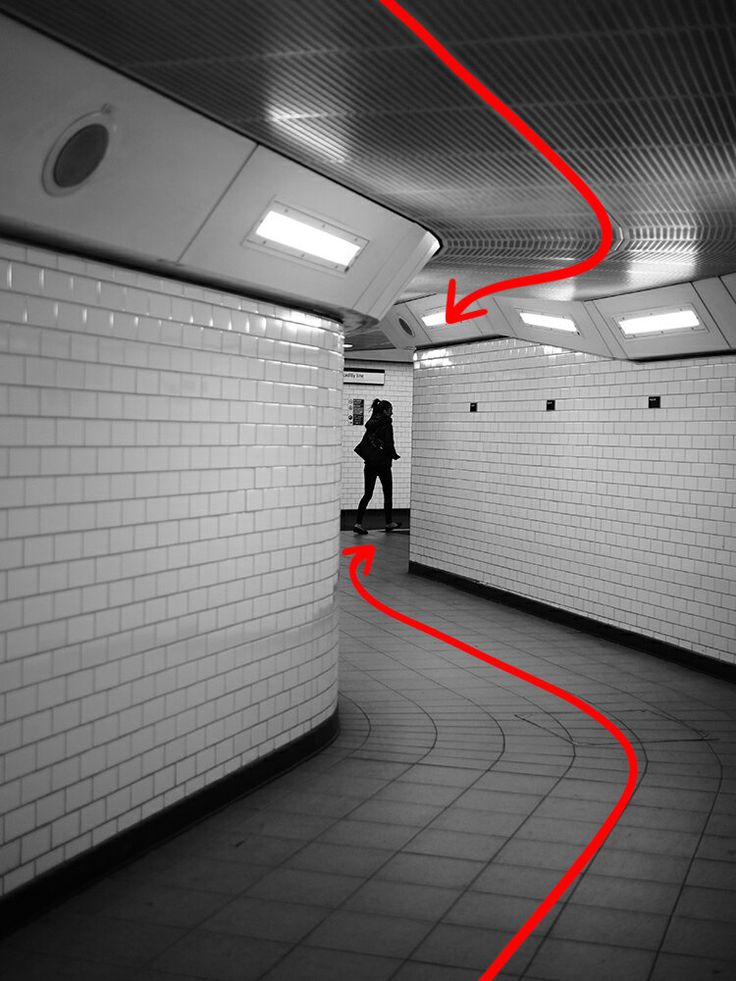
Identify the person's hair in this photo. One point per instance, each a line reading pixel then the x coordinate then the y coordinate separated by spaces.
pixel 381 406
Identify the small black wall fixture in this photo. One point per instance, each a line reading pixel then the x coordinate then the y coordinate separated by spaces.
pixel 78 152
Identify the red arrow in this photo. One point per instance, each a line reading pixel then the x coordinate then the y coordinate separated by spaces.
pixel 455 311
pixel 365 554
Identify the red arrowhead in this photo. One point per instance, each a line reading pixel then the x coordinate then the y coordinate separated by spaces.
pixel 455 312
pixel 360 553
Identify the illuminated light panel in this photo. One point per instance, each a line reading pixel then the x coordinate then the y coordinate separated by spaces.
pixel 659 323
pixel 436 319
pixel 543 320
pixel 307 238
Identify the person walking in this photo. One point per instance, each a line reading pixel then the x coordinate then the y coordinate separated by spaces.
pixel 380 454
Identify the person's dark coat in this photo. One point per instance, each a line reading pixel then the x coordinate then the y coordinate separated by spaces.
pixel 380 426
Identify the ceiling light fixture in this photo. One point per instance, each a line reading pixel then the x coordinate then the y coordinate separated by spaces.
pixel 436 319
pixel 659 323
pixel 543 320
pixel 307 237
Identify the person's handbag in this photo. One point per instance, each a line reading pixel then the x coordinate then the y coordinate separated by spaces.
pixel 371 449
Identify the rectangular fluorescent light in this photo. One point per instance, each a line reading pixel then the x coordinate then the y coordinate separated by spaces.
pixel 554 323
pixel 658 323
pixel 436 319
pixel 306 237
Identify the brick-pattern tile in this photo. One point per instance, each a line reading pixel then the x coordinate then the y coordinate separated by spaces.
pixel 169 484
pixel 603 507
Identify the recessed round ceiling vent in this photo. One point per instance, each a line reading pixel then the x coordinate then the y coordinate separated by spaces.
pixel 78 153
pixel 405 327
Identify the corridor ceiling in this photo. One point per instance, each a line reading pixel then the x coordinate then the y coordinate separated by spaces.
pixel 638 96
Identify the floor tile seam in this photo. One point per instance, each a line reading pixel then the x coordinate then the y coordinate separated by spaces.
pixel 188 931
pixel 566 819
pixel 649 912
pixel 492 720
pixel 593 780
pixel 419 831
pixel 570 892
pixel 422 962
pixel 649 827
pixel 490 861
pixel 142 965
pixel 589 904
pixel 525 976
pixel 411 701
pixel 461 791
pixel 524 697
pixel 283 862
pixel 543 937
pixel 363 879
pixel 435 684
pixel 341 908
pixel 325 950
pixel 155 883
pixel 704 919
pixel 329 910
pixel 451 745
pixel 688 870
pixel 195 977
pixel 623 691
pixel 411 959
pixel 513 685
pixel 604 944
pixel 359 708
pixel 393 727
pixel 230 898
pixel 76 959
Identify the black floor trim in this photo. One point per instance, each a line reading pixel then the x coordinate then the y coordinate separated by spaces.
pixel 58 884
pixel 374 519
pixel 617 635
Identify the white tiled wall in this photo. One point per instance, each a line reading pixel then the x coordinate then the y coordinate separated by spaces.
pixel 397 388
pixel 603 507
pixel 169 494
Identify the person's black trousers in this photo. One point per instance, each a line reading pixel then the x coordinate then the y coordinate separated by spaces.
pixel 371 474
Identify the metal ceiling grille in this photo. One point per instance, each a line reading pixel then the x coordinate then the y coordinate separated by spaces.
pixel 637 95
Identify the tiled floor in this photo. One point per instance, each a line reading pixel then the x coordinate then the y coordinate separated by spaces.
pixel 415 846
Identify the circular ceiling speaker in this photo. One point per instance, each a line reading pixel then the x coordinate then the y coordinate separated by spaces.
pixel 78 152
pixel 405 327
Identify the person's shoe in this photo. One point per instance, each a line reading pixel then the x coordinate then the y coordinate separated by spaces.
pixel 393 526
pixel 359 529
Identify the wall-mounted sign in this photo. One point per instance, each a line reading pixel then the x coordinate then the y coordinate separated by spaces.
pixel 356 410
pixel 364 376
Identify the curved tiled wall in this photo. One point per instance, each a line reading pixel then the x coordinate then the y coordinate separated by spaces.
pixel 170 484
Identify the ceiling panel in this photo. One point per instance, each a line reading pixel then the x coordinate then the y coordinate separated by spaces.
pixel 638 96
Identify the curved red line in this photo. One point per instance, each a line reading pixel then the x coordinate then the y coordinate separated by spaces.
pixel 365 553
pixel 507 113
